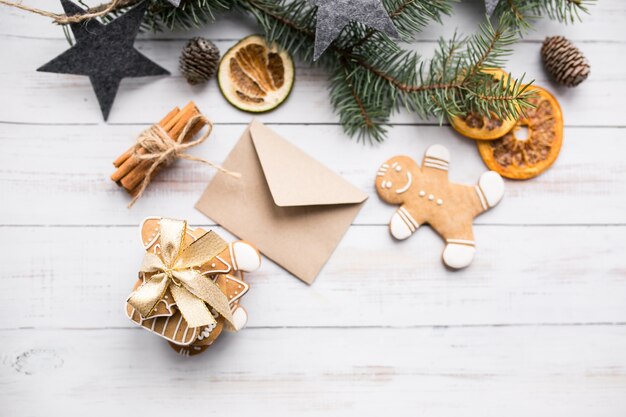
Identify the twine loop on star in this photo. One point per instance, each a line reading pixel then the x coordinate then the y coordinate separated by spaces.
pixel 63 19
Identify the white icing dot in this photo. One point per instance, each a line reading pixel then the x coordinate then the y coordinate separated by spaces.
pixel 398 168
pixel 389 184
pixel 439 201
pixel 212 265
pixel 165 297
pixel 422 193
pixel 431 197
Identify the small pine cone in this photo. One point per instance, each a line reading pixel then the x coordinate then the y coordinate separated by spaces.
pixel 199 60
pixel 564 61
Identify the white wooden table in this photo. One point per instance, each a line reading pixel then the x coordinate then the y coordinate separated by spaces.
pixel 535 327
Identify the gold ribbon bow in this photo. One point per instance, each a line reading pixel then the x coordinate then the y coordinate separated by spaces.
pixel 175 271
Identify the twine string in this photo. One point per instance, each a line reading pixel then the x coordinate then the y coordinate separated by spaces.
pixel 163 150
pixel 64 19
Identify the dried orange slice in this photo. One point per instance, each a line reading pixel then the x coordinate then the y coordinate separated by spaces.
pixel 254 76
pixel 479 127
pixel 522 158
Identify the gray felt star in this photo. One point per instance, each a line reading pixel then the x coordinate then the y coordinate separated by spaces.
pixel 334 15
pixel 105 53
pixel 490 6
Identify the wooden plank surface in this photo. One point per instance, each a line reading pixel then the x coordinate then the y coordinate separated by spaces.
pixel 486 371
pixel 535 327
pixel 546 275
pixel 588 179
pixel 602 91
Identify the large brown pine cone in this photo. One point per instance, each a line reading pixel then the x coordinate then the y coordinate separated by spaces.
pixel 564 61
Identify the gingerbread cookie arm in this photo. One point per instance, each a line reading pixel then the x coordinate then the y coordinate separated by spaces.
pixel 404 223
pixel 490 189
pixel 435 162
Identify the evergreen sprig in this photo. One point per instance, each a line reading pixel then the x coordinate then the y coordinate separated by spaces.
pixel 161 15
pixel 371 77
pixel 522 13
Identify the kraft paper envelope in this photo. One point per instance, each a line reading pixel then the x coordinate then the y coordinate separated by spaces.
pixel 290 206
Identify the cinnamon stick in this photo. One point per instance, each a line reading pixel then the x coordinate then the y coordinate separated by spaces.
pixel 173 128
pixel 130 151
pixel 131 170
pixel 192 132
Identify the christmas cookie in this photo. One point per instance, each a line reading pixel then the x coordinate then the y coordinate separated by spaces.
pixel 227 272
pixel 425 195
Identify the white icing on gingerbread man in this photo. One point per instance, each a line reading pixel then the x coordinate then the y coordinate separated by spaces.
pixel 426 196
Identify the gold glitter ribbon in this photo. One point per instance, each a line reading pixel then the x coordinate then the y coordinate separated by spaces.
pixel 174 270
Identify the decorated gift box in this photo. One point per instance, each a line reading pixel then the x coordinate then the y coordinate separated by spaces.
pixel 190 284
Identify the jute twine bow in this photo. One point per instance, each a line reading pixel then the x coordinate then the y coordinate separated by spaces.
pixel 164 150
pixel 63 19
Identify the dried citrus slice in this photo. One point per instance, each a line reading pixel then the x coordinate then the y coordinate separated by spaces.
pixel 254 76
pixel 522 158
pixel 479 127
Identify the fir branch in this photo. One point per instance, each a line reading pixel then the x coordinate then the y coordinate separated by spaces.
pixel 370 75
pixel 190 14
pixel 522 13
pixel 409 18
pixel 372 78
pixel 360 115
pixel 162 15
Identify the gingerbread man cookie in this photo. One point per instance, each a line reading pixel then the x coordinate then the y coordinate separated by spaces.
pixel 425 195
pixel 227 271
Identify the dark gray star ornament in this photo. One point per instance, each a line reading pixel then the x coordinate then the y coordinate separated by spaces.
pixel 104 53
pixel 334 15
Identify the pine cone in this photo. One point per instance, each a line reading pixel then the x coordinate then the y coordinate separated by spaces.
pixel 199 60
pixel 564 61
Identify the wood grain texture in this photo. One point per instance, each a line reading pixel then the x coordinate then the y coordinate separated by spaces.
pixel 535 327
pixel 603 90
pixel 587 184
pixel 521 275
pixel 575 371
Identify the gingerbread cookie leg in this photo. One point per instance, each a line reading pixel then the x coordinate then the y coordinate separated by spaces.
pixel 459 253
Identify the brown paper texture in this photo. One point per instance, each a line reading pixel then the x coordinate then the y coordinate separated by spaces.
pixel 291 207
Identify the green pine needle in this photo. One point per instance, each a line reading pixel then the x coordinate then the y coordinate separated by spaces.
pixel 371 76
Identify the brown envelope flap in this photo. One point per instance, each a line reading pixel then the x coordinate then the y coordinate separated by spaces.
pixel 296 179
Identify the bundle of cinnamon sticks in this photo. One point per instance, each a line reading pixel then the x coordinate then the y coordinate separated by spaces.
pixel 131 169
